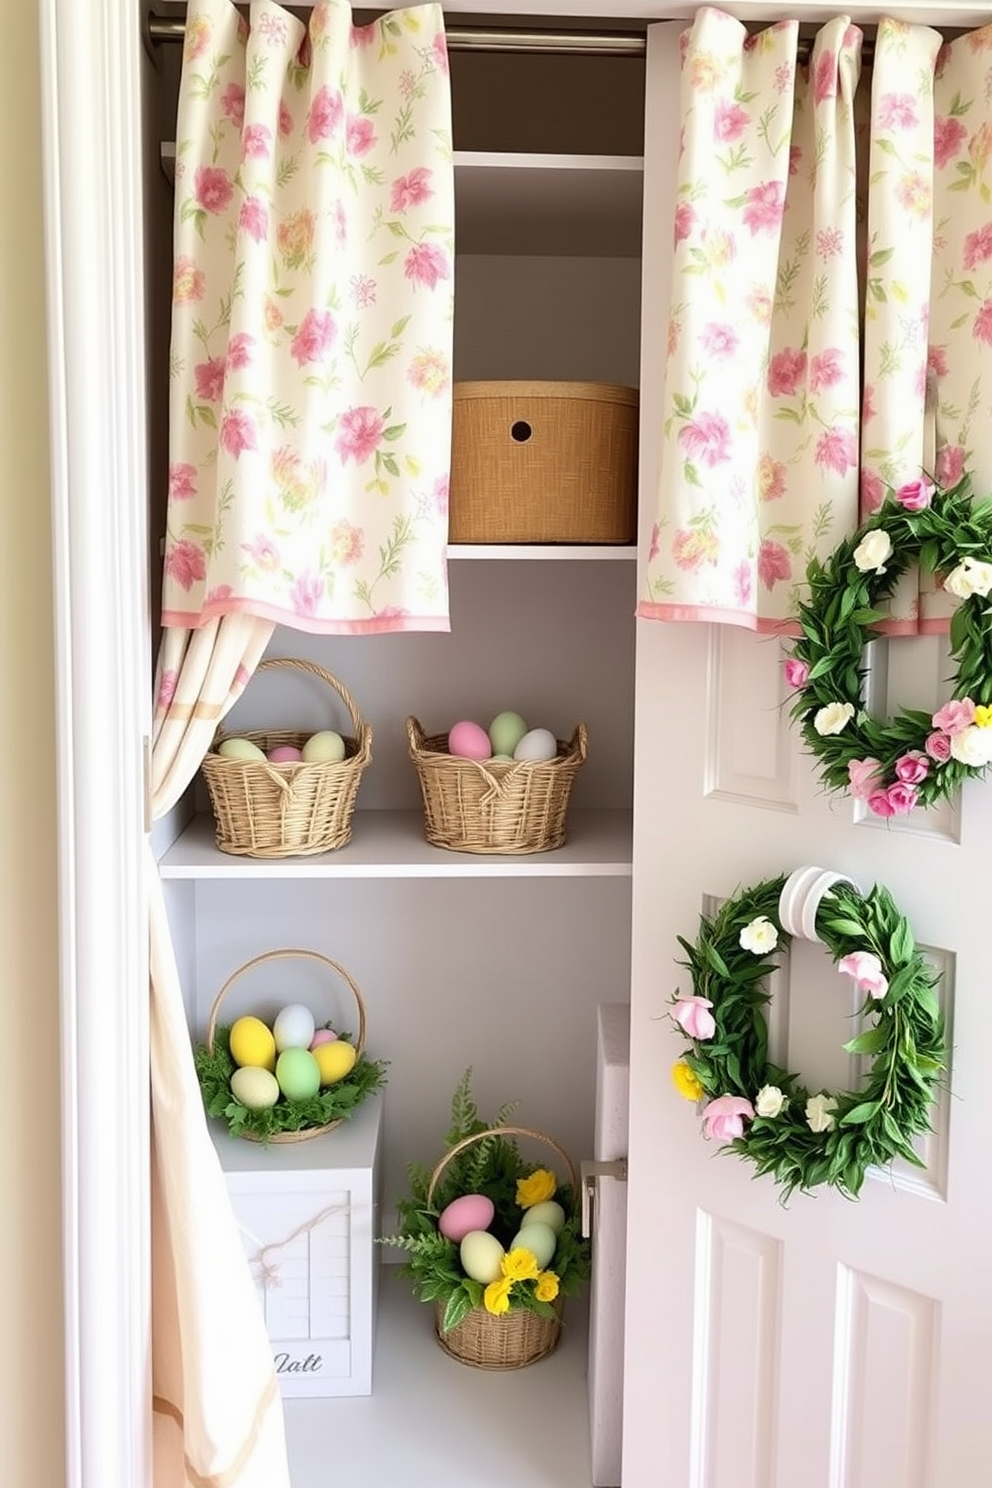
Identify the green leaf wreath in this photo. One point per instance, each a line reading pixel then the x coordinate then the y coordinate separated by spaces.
pixel 766 1114
pixel 492 1166
pixel 337 1102
pixel 917 758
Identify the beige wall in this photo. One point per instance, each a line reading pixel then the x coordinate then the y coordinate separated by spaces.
pixel 31 1354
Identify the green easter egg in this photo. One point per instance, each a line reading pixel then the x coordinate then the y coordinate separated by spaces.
pixel 298 1074
pixel 505 732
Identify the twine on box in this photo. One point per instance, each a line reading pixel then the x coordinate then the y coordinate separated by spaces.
pixel 269 1272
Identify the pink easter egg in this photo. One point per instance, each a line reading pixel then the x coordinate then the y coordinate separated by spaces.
pixel 323 1036
pixel 285 754
pixel 470 1212
pixel 468 740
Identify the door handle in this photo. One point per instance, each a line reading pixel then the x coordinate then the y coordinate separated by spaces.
pixel 589 1172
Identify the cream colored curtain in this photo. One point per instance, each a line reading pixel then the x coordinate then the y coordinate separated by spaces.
pixel 217 1410
pixel 761 408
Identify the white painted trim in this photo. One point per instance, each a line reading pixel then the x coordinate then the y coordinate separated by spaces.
pixel 92 138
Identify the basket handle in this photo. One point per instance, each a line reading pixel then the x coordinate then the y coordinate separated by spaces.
pixel 297 663
pixel 274 956
pixel 501 1131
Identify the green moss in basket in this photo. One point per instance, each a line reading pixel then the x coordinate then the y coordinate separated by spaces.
pixel 492 1166
pixel 336 1103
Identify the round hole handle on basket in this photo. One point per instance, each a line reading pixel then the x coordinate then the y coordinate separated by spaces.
pixel 501 1131
pixel 267 956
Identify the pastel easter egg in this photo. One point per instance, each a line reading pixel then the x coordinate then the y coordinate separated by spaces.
pixel 242 749
pixel 470 1212
pixel 505 732
pixel 481 1254
pixel 294 1027
pixel 325 748
pixel 285 754
pixel 256 1088
pixel 335 1060
pixel 322 1036
pixel 468 740
pixel 548 1213
pixel 539 1239
pixel 298 1074
pixel 537 744
pixel 252 1043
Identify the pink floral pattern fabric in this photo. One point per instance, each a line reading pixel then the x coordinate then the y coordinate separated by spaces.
pixel 761 416
pixel 310 402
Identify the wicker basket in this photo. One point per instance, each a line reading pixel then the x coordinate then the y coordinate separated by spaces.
pixel 312 1131
pixel 264 810
pixel 518 1337
pixel 543 462
pixel 494 806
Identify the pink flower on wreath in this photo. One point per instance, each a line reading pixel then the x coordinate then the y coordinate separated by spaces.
pixel 982 325
pixel 978 246
pixel 863 777
pixel 938 747
pixel 426 263
pixel 729 121
pixel 238 433
pixel 865 969
pixel 872 491
pixel 949 135
pixel 796 671
pixel 902 798
pixel 913 767
pixel 212 188
pixel 359 134
pixel 825 78
pixel 826 369
pixel 916 495
pixel 764 207
pixel 314 337
pixel 359 433
pixel 706 437
pixel 837 449
pixel 693 1016
pixel 724 1117
pixel 950 464
pixel 787 372
pixel 880 805
pixel 326 113
pixel 954 717
pixel 411 190
pixel 185 563
pixel 774 563
pixel 182 481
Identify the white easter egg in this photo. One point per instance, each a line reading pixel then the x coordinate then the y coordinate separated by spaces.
pixel 537 744
pixel 539 1239
pixel 294 1027
pixel 481 1254
pixel 549 1213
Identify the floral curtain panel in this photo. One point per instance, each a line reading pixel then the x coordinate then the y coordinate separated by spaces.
pixel 310 401
pixel 761 410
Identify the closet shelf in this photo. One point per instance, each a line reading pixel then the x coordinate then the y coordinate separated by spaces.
pixel 390 844
pixel 538 205
pixel 544 552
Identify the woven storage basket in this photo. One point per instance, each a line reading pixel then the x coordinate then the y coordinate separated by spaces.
pixel 312 1131
pixel 263 810
pixel 494 806
pixel 543 462
pixel 515 1338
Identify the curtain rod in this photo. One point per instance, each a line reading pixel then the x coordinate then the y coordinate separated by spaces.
pixel 561 43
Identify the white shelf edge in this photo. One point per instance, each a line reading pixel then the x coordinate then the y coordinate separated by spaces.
pixel 527 160
pixel 543 552
pixel 390 844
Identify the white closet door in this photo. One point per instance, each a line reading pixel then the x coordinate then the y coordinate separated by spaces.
pixel 826 1344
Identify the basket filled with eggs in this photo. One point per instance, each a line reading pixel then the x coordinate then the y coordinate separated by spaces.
pixel 493 1242
pixel 285 1077
pixel 504 789
pixel 285 792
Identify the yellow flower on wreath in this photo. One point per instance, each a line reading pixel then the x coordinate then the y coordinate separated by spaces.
pixel 546 1289
pixel 496 1297
pixel 686 1081
pixel 519 1264
pixel 535 1189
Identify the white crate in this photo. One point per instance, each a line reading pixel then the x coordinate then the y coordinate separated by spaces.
pixel 308 1212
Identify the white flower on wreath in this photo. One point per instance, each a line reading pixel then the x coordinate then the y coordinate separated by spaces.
pixel 760 935
pixel 972 746
pixel 833 718
pixel 971 576
pixel 872 552
pixel 818 1109
pixel 769 1101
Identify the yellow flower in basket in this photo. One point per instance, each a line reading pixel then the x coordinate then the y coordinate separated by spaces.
pixel 546 1289
pixel 536 1188
pixel 519 1264
pixel 496 1297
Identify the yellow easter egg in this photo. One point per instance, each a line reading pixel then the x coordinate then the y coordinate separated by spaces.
pixel 334 1060
pixel 254 1087
pixel 240 749
pixel 252 1043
